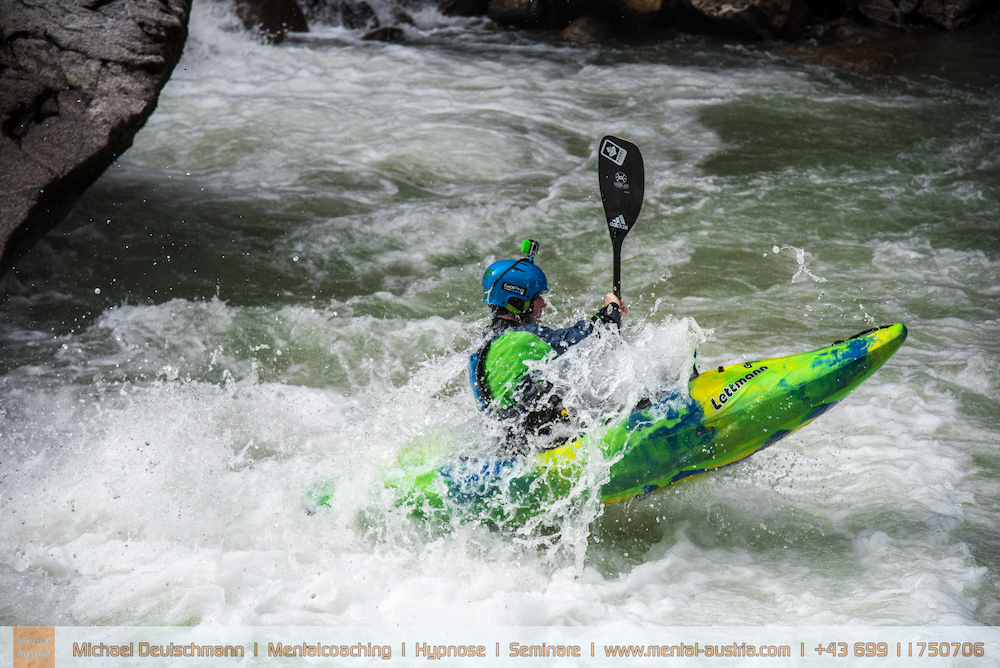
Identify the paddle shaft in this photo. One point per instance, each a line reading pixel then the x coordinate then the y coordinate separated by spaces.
pixel 616 247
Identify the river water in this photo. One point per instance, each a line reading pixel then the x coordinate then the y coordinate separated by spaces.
pixel 277 283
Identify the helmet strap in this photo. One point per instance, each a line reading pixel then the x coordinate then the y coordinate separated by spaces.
pixel 501 313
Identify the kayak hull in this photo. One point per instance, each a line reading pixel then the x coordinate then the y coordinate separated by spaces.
pixel 729 413
pixel 737 410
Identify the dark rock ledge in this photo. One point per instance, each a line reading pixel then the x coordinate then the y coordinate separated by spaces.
pixel 78 79
pixel 272 19
pixel 824 21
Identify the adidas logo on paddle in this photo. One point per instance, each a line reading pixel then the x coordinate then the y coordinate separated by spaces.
pixel 619 222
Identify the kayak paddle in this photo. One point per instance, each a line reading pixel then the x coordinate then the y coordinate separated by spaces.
pixel 622 181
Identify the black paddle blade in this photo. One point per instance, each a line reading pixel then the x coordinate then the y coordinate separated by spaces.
pixel 622 181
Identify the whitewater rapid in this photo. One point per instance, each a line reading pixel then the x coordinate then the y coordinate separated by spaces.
pixel 278 283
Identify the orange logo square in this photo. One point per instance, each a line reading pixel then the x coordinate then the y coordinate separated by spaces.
pixel 34 647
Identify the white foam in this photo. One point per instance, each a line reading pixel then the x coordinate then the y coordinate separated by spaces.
pixel 156 457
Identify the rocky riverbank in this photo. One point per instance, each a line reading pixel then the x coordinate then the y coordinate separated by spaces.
pixel 78 79
pixel 608 21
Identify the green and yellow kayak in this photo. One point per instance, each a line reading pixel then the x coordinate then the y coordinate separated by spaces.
pixel 728 414
pixel 735 411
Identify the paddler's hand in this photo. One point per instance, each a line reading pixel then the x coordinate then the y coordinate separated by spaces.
pixel 612 311
pixel 611 298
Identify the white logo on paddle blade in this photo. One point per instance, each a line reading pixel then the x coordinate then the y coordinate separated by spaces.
pixel 621 181
pixel 619 222
pixel 613 152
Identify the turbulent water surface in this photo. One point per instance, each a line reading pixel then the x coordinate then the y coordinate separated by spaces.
pixel 277 284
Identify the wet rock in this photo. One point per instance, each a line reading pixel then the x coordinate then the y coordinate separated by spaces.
pixel 358 16
pixel 845 31
pixel 585 31
pixel 559 14
pixel 647 7
pixel 386 34
pixel 897 14
pixel 954 14
pixel 464 7
pixel 521 13
pixel 402 17
pixel 78 79
pixel 755 19
pixel 564 12
pixel 904 14
pixel 273 19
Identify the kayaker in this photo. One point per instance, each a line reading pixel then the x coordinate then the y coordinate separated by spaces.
pixel 501 362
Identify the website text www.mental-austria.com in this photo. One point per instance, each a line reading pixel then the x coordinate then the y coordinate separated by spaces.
pixel 730 650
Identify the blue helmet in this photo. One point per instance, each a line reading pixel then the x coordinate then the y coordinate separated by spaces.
pixel 513 285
